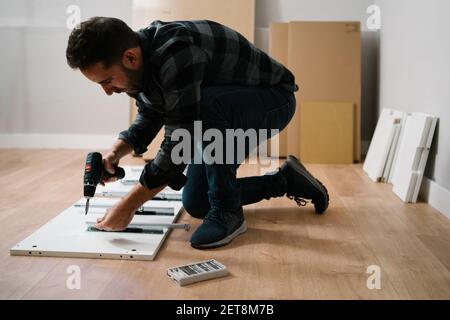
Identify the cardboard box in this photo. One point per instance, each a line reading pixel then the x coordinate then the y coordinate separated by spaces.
pixel 278 49
pixel 325 58
pixel 236 14
pixel 326 132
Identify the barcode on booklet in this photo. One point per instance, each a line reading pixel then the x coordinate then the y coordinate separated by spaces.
pixel 198 271
pixel 199 267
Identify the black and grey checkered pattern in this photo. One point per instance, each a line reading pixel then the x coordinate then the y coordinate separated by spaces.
pixel 180 58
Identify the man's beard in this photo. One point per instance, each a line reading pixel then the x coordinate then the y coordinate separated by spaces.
pixel 135 79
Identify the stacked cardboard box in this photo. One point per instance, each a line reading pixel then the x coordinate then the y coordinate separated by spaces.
pixel 325 58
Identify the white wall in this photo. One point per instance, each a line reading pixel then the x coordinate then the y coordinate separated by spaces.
pixel 415 69
pixel 39 93
pixel 414 75
pixel 268 11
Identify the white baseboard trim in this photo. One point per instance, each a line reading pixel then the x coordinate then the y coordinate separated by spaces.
pixel 56 141
pixel 436 196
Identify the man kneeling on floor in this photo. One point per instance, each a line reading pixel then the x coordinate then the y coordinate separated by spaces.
pixel 179 73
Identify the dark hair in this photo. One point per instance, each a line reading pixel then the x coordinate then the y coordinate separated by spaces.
pixel 99 39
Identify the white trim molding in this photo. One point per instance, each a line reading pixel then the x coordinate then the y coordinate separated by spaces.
pixel 436 196
pixel 56 141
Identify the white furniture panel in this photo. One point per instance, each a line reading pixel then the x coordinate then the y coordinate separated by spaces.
pixel 122 187
pixel 68 236
pixel 412 155
pixel 383 145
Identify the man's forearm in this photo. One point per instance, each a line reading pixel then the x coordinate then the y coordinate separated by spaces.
pixel 139 195
pixel 120 148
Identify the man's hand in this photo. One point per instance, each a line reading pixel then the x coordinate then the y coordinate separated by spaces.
pixel 120 215
pixel 112 158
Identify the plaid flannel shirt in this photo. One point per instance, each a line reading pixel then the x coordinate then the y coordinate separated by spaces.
pixel 180 58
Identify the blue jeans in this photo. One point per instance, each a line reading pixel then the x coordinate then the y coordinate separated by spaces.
pixel 233 107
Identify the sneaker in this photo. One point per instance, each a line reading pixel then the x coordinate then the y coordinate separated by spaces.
pixel 302 185
pixel 219 228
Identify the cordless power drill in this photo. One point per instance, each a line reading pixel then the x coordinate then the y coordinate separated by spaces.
pixel 94 172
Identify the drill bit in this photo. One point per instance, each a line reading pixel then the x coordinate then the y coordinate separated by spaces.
pixel 87 206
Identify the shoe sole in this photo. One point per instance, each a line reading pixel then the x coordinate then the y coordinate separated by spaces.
pixel 242 228
pixel 296 165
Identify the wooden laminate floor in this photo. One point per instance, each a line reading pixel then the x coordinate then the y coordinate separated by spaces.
pixel 287 253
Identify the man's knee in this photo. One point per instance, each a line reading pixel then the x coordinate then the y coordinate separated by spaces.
pixel 196 207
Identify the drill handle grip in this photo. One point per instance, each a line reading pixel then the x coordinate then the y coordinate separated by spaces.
pixel 119 173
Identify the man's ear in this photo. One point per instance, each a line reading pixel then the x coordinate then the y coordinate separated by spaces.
pixel 129 59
